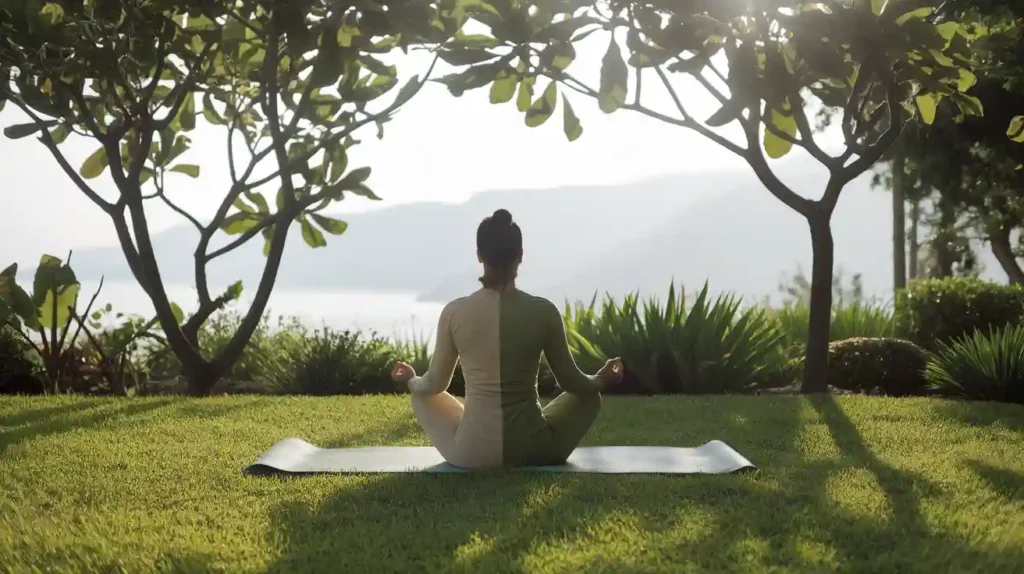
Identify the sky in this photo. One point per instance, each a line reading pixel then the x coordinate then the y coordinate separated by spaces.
pixel 438 148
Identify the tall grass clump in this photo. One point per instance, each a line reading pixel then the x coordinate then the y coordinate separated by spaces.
pixel 982 366
pixel 711 346
pixel 851 321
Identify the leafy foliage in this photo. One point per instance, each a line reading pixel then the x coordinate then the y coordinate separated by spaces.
pixel 711 346
pixel 291 82
pixel 936 311
pixel 981 365
pixel 876 65
pixel 893 366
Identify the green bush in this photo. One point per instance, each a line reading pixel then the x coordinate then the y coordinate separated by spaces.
pixel 18 372
pixel 984 366
pixel 935 311
pixel 892 366
pixel 713 346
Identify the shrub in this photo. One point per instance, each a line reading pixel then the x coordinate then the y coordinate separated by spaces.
pixel 709 347
pixel 985 366
pixel 339 363
pixel 858 319
pixel 892 366
pixel 935 311
pixel 18 373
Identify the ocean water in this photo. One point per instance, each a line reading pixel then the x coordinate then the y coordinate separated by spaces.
pixel 398 315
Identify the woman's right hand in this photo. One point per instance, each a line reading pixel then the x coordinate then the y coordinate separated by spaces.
pixel 611 372
pixel 402 373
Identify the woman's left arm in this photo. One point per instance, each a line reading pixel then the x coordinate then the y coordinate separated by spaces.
pixel 442 364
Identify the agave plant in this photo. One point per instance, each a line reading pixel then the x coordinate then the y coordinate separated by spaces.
pixel 984 366
pixel 856 320
pixel 711 346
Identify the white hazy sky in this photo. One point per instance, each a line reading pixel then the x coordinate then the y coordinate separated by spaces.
pixel 438 148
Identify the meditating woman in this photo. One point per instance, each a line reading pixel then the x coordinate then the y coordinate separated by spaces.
pixel 499 333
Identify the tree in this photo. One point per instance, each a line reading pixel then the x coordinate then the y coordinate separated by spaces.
pixel 290 81
pixel 874 63
pixel 966 167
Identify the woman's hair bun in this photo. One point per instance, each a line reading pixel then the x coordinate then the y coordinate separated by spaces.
pixel 502 217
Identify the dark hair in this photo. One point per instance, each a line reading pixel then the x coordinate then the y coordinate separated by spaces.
pixel 499 241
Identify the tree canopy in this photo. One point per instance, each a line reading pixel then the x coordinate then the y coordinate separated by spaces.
pixel 289 82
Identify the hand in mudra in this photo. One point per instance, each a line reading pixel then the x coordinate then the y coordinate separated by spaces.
pixel 402 373
pixel 611 372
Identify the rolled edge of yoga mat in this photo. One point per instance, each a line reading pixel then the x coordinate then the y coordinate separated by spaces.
pixel 294 456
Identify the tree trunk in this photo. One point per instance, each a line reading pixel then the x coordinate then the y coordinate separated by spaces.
pixel 999 239
pixel 816 362
pixel 943 242
pixel 913 245
pixel 899 221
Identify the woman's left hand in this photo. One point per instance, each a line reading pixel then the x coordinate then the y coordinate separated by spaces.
pixel 402 373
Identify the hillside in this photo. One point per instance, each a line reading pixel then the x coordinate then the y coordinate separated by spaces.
pixel 723 227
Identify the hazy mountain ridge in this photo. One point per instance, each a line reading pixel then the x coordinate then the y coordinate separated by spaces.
pixel 721 227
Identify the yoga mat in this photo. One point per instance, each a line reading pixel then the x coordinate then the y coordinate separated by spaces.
pixel 296 456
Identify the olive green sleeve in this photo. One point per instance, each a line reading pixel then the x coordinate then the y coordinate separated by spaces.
pixel 556 350
pixel 442 362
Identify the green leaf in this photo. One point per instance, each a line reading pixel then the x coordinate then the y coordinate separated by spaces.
pixel 59 134
pixel 557 56
pixel 948 29
pixel 926 104
pixel 94 164
pixel 354 178
pixel 339 162
pixel 330 225
pixel 187 169
pixel 52 13
pixel 311 235
pixel 525 96
pixel 238 223
pixel 210 112
pixel 51 273
pixel 17 299
pixel 261 203
pixel 503 88
pixel 477 41
pixel 363 190
pixel 729 112
pixel 66 297
pixel 234 291
pixel 19 131
pixel 570 123
pixel 969 105
pixel 775 146
pixel 878 6
pixel 187 113
pixel 1016 130
pixel 179 315
pixel 967 80
pixel 407 92
pixel 542 109
pixel 614 79
pixel 919 13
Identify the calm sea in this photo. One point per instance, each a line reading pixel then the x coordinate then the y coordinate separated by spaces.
pixel 397 315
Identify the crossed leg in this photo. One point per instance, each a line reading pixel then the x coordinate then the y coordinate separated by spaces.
pixel 439 415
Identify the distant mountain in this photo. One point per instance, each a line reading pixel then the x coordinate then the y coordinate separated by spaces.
pixel 721 227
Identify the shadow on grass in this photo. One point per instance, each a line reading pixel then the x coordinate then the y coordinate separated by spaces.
pixel 1006 482
pixel 497 521
pixel 983 413
pixel 39 414
pixel 64 419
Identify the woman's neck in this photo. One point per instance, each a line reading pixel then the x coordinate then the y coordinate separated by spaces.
pixel 510 286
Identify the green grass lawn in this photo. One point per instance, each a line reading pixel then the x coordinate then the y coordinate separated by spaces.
pixel 854 484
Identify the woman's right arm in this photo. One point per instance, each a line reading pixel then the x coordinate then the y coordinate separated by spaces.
pixel 556 350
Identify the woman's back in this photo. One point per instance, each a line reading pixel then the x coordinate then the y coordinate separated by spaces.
pixel 499 337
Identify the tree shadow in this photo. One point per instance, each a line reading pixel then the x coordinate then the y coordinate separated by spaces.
pixel 64 420
pixel 1006 482
pixel 29 416
pixel 983 413
pixel 495 521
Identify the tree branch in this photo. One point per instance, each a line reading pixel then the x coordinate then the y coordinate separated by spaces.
pixel 185 88
pixel 755 158
pixel 47 140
